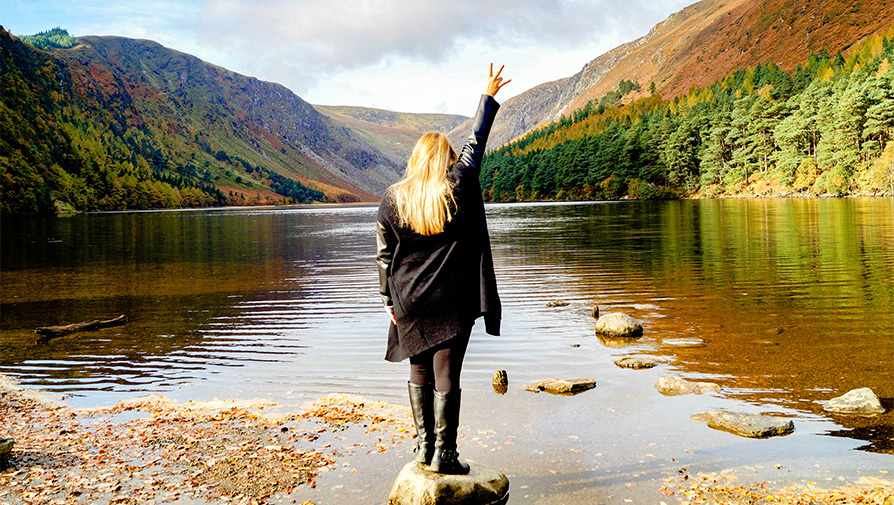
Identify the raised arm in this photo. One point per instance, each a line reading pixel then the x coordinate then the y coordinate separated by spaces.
pixel 473 151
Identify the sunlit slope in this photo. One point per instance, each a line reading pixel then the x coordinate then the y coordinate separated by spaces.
pixel 114 115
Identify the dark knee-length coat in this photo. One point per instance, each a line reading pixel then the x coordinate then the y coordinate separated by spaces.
pixel 438 284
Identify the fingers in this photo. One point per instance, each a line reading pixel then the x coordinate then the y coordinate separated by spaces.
pixel 494 81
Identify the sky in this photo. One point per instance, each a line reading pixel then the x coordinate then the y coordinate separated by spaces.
pixel 403 55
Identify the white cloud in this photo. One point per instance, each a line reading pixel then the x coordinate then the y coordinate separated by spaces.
pixel 415 55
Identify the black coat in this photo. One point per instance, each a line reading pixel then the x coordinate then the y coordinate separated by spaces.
pixel 440 283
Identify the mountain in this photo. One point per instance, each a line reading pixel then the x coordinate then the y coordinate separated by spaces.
pixel 114 123
pixel 824 128
pixel 695 47
pixel 393 133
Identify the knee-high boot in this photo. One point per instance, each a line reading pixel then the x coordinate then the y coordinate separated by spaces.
pixel 446 459
pixel 422 405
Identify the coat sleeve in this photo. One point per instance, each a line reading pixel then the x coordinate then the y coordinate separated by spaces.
pixel 473 151
pixel 386 242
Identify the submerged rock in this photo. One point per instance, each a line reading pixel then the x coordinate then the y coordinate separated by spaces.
pixel 556 303
pixel 618 325
pixel 857 401
pixel 672 386
pixel 640 362
pixel 562 386
pixel 744 424
pixel 684 342
pixel 416 485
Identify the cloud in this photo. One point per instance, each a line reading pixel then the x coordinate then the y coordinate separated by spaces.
pixel 298 42
pixel 400 54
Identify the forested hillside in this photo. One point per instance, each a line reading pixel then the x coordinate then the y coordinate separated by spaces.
pixel 108 123
pixel 826 128
pixel 702 43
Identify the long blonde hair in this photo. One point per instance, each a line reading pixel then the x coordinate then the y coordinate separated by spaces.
pixel 423 199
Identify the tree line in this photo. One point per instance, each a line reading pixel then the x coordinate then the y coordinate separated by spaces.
pixel 824 128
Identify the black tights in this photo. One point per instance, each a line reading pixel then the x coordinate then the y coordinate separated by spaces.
pixel 441 364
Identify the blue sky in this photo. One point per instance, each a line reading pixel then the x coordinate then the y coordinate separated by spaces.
pixel 404 55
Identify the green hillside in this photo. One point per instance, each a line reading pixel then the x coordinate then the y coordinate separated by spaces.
pixel 113 123
pixel 826 128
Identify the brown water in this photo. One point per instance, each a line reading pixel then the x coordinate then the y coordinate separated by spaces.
pixel 785 303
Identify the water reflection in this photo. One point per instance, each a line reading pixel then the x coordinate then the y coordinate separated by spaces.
pixel 783 302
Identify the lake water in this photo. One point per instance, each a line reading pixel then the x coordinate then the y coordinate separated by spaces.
pixel 785 303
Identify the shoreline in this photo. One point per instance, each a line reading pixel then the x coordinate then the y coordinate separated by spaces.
pixel 153 450
pixel 781 196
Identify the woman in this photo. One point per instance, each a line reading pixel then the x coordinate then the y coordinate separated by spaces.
pixel 436 276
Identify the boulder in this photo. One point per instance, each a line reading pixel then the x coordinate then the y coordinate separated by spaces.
pixel 857 401
pixel 416 485
pixel 640 362
pixel 744 424
pixel 618 325
pixel 672 386
pixel 562 386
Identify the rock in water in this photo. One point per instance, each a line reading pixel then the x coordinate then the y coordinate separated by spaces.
pixel 562 386
pixel 672 386
pixel 619 325
pixel 416 485
pixel 500 377
pixel 857 401
pixel 744 424
pixel 639 362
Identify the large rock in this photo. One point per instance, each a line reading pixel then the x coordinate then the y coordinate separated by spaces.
pixel 672 386
pixel 639 362
pixel 857 401
pixel 562 386
pixel 416 485
pixel 618 325
pixel 744 424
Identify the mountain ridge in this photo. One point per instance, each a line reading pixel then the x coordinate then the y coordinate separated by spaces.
pixel 393 133
pixel 150 119
pixel 694 47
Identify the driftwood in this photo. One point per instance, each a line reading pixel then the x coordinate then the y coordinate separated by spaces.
pixel 49 332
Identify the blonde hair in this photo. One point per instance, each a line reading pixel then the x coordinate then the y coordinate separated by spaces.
pixel 423 199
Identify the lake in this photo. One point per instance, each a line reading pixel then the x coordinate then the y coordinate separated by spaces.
pixel 786 303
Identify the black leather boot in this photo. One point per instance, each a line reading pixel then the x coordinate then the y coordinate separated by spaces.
pixel 422 405
pixel 446 459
